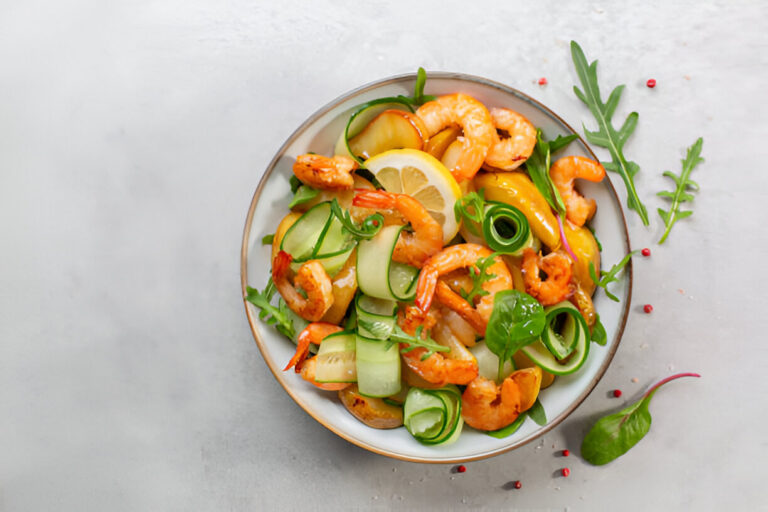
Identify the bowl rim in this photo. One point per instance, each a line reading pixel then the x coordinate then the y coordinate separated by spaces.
pixel 252 319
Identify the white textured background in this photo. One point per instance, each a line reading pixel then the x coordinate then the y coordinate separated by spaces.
pixel 132 136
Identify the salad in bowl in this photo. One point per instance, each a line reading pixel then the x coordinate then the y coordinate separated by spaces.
pixel 433 273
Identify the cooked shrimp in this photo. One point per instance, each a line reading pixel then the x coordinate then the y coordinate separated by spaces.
pixel 312 278
pixel 313 333
pixel 474 119
pixel 556 287
pixel 458 366
pixel 413 248
pixel 453 258
pixel 488 406
pixel 308 374
pixel 325 173
pixel 578 209
pixel 509 153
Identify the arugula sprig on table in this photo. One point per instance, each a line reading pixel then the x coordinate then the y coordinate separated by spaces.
pixel 613 435
pixel 606 135
pixel 609 277
pixel 683 184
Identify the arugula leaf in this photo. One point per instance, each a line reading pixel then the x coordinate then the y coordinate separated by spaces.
pixel 599 245
pixel 268 239
pixel 369 227
pixel 479 274
pixel 606 136
pixel 599 335
pixel 538 165
pixel 471 209
pixel 400 336
pixel 280 316
pixel 610 276
pixel 517 320
pixel 683 183
pixel 537 413
pixel 613 435
pixel 419 98
pixel 303 194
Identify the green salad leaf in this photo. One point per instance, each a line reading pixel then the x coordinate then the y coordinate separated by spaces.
pixel 516 321
pixel 682 184
pixel 267 239
pixel 471 210
pixel 479 274
pixel 285 321
pixel 614 435
pixel 416 341
pixel 599 335
pixel 367 229
pixel 606 135
pixel 536 413
pixel 609 277
pixel 303 194
pixel 538 165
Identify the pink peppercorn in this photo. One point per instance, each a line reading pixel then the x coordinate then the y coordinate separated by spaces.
pixel 461 469
pixel 617 393
pixel 651 83
pixel 565 472
pixel 542 81
pixel 646 252
pixel 648 308
pixel 518 484
pixel 566 453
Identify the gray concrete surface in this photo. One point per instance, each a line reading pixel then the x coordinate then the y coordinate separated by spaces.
pixel 132 136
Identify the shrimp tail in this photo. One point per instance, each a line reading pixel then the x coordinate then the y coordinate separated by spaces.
pixel 374 199
pixel 426 286
pixel 281 263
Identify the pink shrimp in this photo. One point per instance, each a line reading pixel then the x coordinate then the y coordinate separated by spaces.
pixel 413 248
pixel 510 152
pixel 488 406
pixel 313 333
pixel 312 278
pixel 563 172
pixel 474 119
pixel 556 287
pixel 325 173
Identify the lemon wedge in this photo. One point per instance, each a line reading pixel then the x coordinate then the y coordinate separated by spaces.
pixel 422 176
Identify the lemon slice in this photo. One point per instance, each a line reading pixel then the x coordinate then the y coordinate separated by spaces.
pixel 422 176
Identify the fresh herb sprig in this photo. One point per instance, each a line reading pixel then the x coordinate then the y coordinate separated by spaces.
pixel 606 135
pixel 609 277
pixel 479 274
pixel 415 341
pixel 517 320
pixel 538 165
pixel 683 184
pixel 471 209
pixel 367 229
pixel 280 316
pixel 613 435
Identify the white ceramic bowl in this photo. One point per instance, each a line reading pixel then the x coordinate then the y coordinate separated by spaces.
pixel 270 204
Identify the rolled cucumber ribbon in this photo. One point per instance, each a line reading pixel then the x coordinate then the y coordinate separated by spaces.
pixel 506 229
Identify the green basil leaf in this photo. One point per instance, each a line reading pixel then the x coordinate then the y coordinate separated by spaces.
pixel 303 194
pixel 599 335
pixel 509 429
pixel 560 142
pixel 537 413
pixel 516 321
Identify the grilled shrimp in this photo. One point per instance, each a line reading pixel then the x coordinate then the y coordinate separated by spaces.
pixel 313 333
pixel 312 278
pixel 325 173
pixel 578 209
pixel 556 287
pixel 453 258
pixel 413 248
pixel 458 366
pixel 509 153
pixel 488 406
pixel 474 119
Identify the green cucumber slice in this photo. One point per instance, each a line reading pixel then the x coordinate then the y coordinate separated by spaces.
pixel 336 358
pixel 375 317
pixel 303 236
pixel 561 335
pixel 377 275
pixel 433 416
pixel 540 354
pixel 378 367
